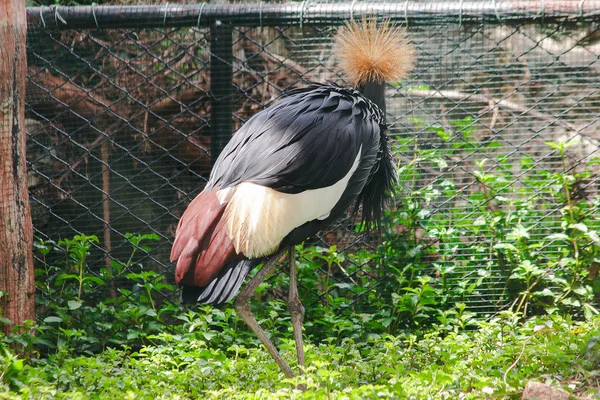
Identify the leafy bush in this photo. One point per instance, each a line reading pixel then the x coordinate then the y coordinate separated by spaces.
pixel 86 311
pixel 502 246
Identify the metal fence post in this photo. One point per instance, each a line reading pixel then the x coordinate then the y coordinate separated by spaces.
pixel 221 87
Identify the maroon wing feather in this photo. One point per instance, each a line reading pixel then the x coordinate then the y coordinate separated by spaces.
pixel 202 246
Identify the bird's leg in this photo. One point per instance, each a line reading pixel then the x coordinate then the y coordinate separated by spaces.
pixel 296 308
pixel 242 307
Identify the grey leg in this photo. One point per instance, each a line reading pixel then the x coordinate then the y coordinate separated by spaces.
pixel 242 307
pixel 296 308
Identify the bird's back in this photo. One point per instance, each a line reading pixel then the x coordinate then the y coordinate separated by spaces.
pixel 306 141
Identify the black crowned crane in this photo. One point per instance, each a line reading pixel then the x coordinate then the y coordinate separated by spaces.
pixel 290 171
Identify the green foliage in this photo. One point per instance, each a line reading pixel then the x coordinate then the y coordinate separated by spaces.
pixel 501 243
pixel 444 252
pixel 12 371
pixel 84 310
pixel 494 361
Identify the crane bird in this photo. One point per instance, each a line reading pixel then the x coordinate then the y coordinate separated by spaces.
pixel 291 170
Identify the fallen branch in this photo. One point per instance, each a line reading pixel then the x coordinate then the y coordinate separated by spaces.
pixel 44 89
pixel 173 104
pixel 286 62
pixel 57 98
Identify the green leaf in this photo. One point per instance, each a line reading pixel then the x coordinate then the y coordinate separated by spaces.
pixel 63 277
pixel 580 227
pixel 569 301
pixel 593 235
pixel 94 279
pixel 546 292
pixel 151 313
pixel 74 304
pixel 589 311
pixel 480 221
pixel 557 236
pixel 50 320
pixel 505 246
pixel 519 232
pixel 133 335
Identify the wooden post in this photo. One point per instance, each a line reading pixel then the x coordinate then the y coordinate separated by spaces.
pixel 16 233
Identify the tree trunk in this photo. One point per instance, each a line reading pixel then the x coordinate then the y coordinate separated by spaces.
pixel 16 233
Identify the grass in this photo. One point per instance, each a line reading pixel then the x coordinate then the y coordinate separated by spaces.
pixel 494 361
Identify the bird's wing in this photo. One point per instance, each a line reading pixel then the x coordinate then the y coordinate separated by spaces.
pixel 292 163
pixel 307 141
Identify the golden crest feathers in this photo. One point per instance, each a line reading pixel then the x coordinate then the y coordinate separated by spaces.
pixel 367 51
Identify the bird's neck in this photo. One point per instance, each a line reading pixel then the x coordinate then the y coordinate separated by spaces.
pixel 375 91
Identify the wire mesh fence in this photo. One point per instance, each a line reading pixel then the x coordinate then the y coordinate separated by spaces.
pixel 127 107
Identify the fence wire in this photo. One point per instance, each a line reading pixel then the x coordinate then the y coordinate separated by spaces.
pixel 123 117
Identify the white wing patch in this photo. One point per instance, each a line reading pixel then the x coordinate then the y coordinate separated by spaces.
pixel 258 217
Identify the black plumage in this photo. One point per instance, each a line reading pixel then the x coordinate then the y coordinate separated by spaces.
pixel 223 287
pixel 309 140
pixel 306 141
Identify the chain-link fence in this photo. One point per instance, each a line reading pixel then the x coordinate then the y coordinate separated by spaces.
pixel 126 105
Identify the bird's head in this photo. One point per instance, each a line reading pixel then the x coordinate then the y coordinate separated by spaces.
pixel 371 54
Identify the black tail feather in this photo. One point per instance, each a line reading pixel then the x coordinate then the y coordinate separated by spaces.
pixel 223 287
pixel 376 192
